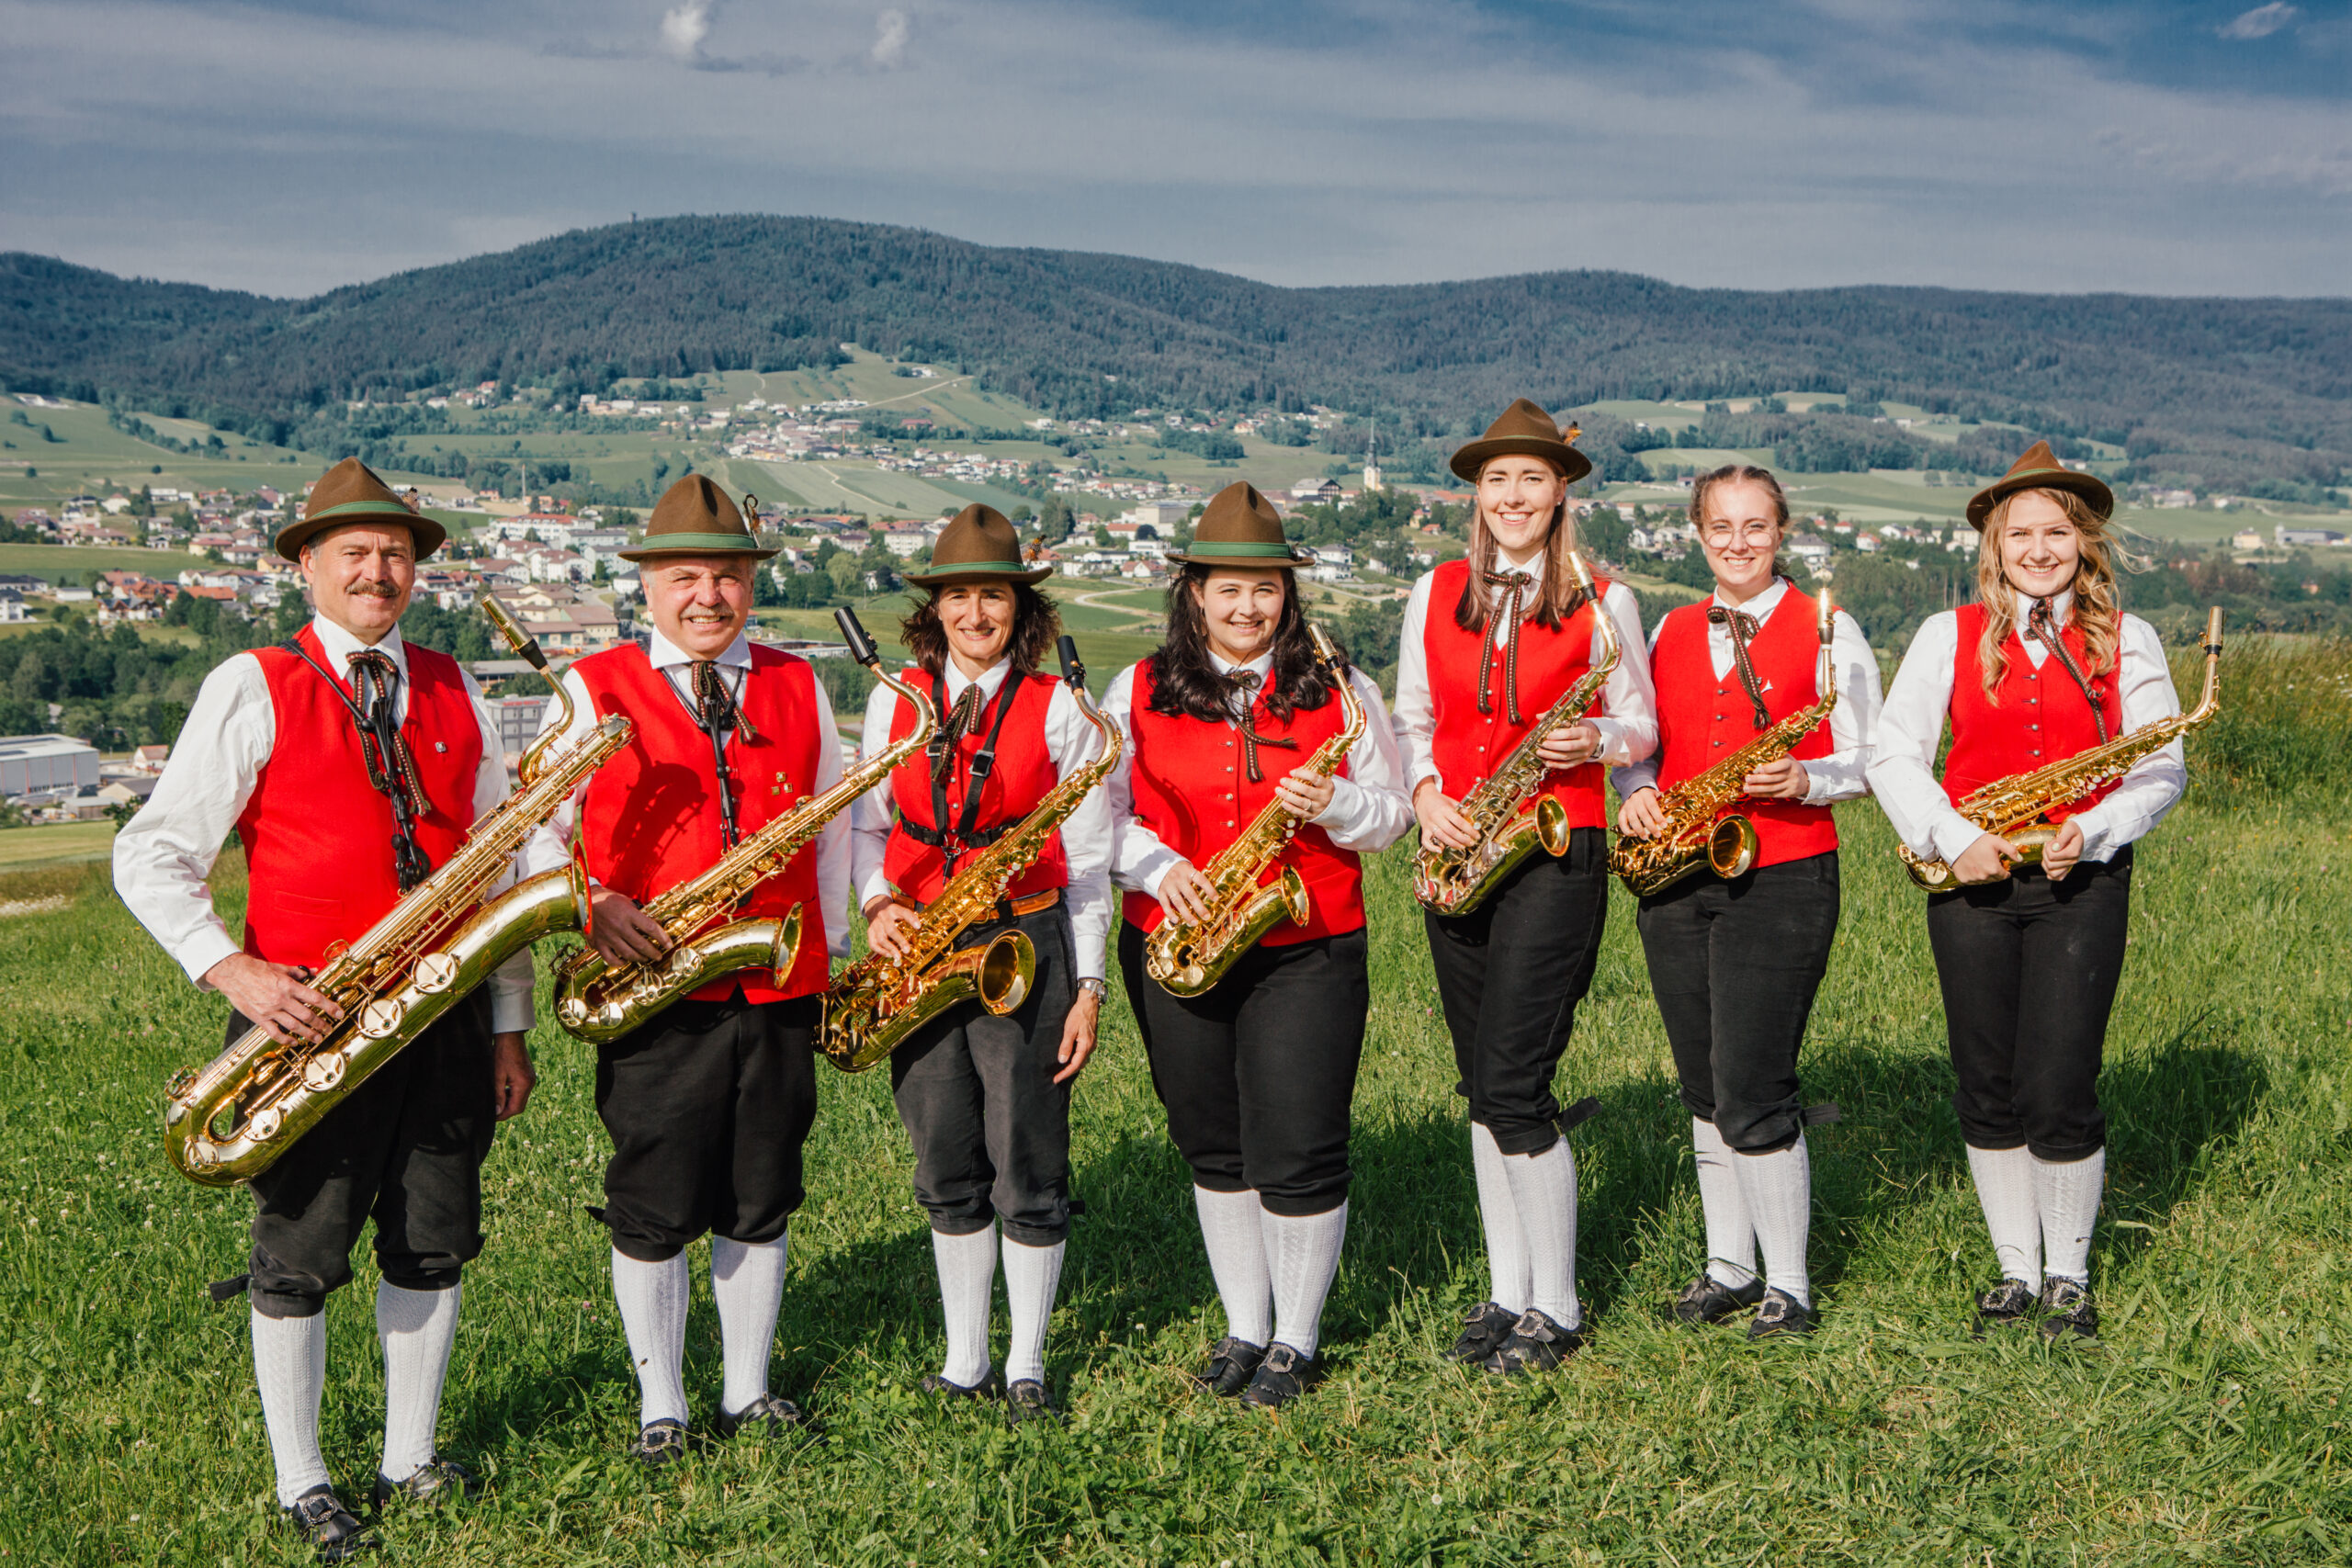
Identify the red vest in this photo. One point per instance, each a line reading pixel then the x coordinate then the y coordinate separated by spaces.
pixel 1023 775
pixel 318 836
pixel 2041 717
pixel 1703 718
pixel 650 819
pixel 1467 744
pixel 1192 788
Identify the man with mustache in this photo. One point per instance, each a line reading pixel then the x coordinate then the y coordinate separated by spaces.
pixel 351 765
pixel 708 1102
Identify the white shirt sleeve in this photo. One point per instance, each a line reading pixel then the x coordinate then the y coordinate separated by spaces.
pixel 1415 713
pixel 1642 774
pixel 870 818
pixel 1072 742
pixel 509 984
pixel 832 839
pixel 1853 723
pixel 1369 808
pixel 2143 796
pixel 1626 715
pixel 164 854
pixel 1138 859
pixel 1901 770
pixel 549 846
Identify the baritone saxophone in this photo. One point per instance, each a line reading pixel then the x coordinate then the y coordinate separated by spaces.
pixel 600 1001
pixel 878 1002
pixel 1703 832
pixel 234 1120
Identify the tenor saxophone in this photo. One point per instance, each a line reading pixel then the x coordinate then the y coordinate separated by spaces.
pixel 1187 958
pixel 600 1001
pixel 2013 806
pixel 875 1003
pixel 1701 832
pixel 1454 881
pixel 231 1121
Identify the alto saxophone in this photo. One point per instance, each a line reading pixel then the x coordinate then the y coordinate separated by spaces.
pixel 600 1001
pixel 1188 958
pixel 878 1002
pixel 2013 808
pixel 1454 881
pixel 1700 830
pixel 231 1122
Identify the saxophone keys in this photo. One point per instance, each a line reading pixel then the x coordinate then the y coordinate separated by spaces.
pixel 381 1018
pixel 263 1125
pixel 435 973
pixel 325 1070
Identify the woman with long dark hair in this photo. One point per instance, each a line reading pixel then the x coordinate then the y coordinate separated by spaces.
pixel 1257 1073
pixel 985 1099
pixel 1488 645
pixel 1735 963
pixel 2044 665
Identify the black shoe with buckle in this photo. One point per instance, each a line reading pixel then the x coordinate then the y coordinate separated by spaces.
pixel 1026 1400
pixel 1537 1344
pixel 1231 1365
pixel 940 1386
pixel 1484 1329
pixel 2067 1309
pixel 1708 1300
pixel 1282 1376
pixel 2011 1300
pixel 1782 1316
pixel 767 1417
pixel 437 1481
pixel 318 1516
pixel 661 1443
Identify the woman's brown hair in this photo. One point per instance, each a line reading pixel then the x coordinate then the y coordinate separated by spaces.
pixel 2097 609
pixel 1035 626
pixel 1557 597
pixel 1186 684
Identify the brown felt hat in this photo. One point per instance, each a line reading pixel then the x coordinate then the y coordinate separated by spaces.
pixel 1525 431
pixel 1241 527
pixel 2040 469
pixel 695 517
pixel 979 545
pixel 350 492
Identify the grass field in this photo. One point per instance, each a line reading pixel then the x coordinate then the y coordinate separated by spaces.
pixel 56 841
pixel 2209 1427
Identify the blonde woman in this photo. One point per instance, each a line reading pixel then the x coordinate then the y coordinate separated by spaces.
pixel 2043 666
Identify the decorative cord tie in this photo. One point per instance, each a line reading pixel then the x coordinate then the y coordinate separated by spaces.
pixel 2042 626
pixel 1518 583
pixel 1743 632
pixel 715 705
pixel 390 769
pixel 1250 739
pixel 962 721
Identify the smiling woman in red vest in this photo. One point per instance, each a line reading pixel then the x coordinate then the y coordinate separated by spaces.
pixel 2044 665
pixel 709 1101
pixel 985 1099
pixel 1489 643
pixel 1257 1073
pixel 351 764
pixel 1735 964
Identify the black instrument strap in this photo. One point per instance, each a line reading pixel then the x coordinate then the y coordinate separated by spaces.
pixel 715 712
pixel 390 769
pixel 983 764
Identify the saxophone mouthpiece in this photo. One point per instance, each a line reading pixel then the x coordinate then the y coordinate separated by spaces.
pixel 526 649
pixel 861 647
pixel 1583 573
pixel 1073 672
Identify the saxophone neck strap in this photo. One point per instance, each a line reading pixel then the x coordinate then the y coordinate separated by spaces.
pixel 1742 628
pixel 943 746
pixel 391 770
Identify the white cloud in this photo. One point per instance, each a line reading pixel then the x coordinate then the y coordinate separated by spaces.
pixel 683 27
pixel 2260 22
pixel 891 29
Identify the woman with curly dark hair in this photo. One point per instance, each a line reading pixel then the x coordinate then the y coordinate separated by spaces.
pixel 1257 1073
pixel 985 1099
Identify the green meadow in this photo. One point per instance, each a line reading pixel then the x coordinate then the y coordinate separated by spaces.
pixel 2209 1427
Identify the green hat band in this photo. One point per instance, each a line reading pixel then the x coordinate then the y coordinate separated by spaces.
pixel 685 542
pixel 364 509
pixel 940 568
pixel 1240 549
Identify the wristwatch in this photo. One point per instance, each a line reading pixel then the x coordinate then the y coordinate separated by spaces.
pixel 1097 986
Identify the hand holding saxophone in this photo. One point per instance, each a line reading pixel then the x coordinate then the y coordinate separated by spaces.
pixel 624 933
pixel 274 997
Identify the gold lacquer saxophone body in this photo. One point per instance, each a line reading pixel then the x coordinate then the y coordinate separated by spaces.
pixel 600 1001
pixel 878 1002
pixel 2014 807
pixel 1187 958
pixel 1454 881
pixel 231 1122
pixel 1701 832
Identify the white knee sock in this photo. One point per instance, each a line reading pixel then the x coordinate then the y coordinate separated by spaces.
pixel 416 1329
pixel 2012 1214
pixel 1509 1283
pixel 1031 1276
pixel 1730 1235
pixel 2067 1192
pixel 652 1299
pixel 966 1283
pixel 747 1282
pixel 1231 1227
pixel 1778 1188
pixel 290 1366
pixel 1303 1255
pixel 1543 1189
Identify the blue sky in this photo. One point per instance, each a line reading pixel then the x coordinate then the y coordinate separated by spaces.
pixel 290 145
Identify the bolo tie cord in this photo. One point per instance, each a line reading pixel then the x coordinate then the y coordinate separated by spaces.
pixel 2042 626
pixel 1742 627
pixel 1517 583
pixel 1250 739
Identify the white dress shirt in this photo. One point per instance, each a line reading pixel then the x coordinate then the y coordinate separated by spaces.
pixel 1902 768
pixel 549 846
pixel 164 854
pixel 1070 742
pixel 1626 715
pixel 1369 809
pixel 1840 776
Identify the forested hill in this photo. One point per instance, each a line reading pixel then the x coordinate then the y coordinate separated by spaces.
pixel 2264 380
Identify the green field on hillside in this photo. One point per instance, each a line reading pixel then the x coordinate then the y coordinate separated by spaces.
pixel 56 841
